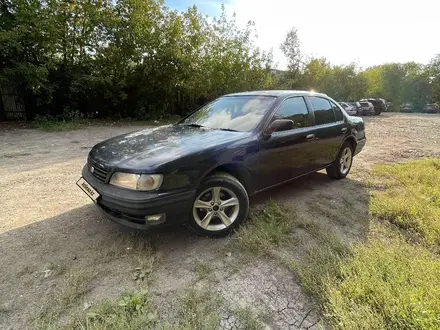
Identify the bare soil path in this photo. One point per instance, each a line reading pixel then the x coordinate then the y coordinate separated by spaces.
pixel 53 240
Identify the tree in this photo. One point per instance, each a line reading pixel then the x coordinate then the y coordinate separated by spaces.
pixel 291 49
pixel 433 74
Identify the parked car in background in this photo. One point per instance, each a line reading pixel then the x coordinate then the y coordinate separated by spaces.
pixel 431 108
pixel 351 110
pixel 384 105
pixel 390 106
pixel 406 107
pixel 367 108
pixel 357 106
pixel 202 170
pixel 378 104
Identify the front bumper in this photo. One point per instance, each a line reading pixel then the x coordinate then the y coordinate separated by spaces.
pixel 129 207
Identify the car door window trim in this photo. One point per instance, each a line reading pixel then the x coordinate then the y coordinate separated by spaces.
pixel 336 123
pixel 295 130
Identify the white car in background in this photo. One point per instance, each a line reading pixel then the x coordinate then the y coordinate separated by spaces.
pixel 350 109
pixel 367 108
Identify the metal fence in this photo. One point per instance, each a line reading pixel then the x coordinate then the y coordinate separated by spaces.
pixel 11 105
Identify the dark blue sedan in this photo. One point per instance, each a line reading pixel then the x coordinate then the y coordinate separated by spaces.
pixel 202 170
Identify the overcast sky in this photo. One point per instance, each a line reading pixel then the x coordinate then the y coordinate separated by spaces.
pixel 367 32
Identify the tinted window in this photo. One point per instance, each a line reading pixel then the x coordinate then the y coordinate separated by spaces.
pixel 337 112
pixel 294 109
pixel 323 111
pixel 239 113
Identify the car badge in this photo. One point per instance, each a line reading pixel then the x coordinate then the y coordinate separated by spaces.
pixel 92 169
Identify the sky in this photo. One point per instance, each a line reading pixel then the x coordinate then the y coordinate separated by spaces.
pixel 366 32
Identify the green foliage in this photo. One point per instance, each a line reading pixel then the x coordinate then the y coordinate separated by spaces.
pixel 395 82
pixel 139 59
pixel 126 58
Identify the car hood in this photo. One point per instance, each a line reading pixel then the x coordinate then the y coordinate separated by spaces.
pixel 152 147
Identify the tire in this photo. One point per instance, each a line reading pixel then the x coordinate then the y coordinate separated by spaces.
pixel 340 168
pixel 209 216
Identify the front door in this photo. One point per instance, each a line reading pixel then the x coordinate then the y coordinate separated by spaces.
pixel 289 153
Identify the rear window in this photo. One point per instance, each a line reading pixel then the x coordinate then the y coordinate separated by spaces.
pixel 338 113
pixel 323 110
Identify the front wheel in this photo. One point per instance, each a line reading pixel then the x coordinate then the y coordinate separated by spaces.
pixel 221 205
pixel 342 165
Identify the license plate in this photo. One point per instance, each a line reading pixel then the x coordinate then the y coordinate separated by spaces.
pixel 88 189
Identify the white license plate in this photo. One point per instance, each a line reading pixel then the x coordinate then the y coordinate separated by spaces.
pixel 88 189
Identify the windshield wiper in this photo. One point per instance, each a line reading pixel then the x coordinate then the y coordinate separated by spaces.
pixel 228 129
pixel 193 125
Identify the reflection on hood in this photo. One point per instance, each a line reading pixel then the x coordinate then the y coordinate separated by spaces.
pixel 155 146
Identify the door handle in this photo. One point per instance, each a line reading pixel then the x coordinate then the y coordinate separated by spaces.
pixel 344 130
pixel 310 136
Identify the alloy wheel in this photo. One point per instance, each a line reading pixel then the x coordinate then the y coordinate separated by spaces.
pixel 216 208
pixel 346 159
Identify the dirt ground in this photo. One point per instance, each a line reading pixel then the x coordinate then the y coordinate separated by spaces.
pixel 54 242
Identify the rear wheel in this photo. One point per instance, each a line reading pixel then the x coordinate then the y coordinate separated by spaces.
pixel 221 205
pixel 342 165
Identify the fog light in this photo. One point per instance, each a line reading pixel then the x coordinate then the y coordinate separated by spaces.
pixel 155 219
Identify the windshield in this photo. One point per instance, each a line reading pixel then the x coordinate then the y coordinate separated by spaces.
pixel 237 113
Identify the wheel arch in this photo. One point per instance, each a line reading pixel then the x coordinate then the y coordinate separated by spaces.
pixel 350 139
pixel 236 170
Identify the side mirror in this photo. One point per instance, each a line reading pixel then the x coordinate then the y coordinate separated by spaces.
pixel 280 125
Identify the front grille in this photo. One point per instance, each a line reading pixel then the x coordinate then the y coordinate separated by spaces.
pixel 99 171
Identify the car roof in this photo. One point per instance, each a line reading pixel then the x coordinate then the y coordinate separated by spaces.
pixel 277 93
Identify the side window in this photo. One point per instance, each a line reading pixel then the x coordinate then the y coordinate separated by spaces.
pixel 338 113
pixel 294 109
pixel 323 110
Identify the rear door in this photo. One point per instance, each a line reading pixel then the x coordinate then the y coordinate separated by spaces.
pixel 289 153
pixel 330 129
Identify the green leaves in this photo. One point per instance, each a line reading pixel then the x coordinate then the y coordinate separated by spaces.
pixel 124 58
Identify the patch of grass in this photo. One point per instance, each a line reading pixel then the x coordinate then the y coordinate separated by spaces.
pixel 133 311
pixel 386 284
pixel 321 261
pixel 74 286
pixel 203 271
pixel 267 228
pixel 53 125
pixel 390 282
pixel 412 200
pixel 49 125
pixel 200 311
pixel 249 320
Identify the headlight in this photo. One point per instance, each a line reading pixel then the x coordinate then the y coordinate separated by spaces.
pixel 144 182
